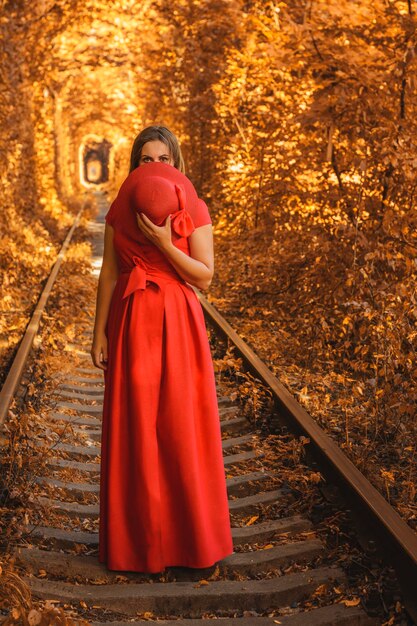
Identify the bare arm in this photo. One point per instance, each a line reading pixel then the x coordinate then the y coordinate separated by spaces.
pixel 106 283
pixel 197 269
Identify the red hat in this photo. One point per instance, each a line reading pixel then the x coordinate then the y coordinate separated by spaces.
pixel 159 189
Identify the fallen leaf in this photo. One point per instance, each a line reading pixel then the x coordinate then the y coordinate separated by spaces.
pixel 353 602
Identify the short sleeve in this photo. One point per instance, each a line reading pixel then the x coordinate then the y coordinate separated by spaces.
pixel 201 217
pixel 110 215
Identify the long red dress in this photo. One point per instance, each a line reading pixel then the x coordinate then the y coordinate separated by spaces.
pixel 163 496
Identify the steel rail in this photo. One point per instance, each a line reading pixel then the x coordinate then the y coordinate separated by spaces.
pixel 14 375
pixel 395 541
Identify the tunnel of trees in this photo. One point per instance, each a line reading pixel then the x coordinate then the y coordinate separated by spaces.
pixel 298 126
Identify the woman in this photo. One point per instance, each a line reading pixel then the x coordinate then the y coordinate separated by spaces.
pixel 163 496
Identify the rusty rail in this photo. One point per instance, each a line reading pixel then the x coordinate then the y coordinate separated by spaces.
pixel 14 375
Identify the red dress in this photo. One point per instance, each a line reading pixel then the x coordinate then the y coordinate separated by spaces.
pixel 163 496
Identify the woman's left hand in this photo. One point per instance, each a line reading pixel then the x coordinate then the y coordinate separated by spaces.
pixel 159 235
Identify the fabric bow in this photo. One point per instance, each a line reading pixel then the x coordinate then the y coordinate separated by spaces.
pixel 137 277
pixel 181 220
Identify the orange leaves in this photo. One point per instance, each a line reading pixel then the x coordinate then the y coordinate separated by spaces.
pixel 320 590
pixel 201 583
pixel 315 477
pixel 352 602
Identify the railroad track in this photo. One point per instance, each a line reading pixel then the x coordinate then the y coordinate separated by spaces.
pixel 281 571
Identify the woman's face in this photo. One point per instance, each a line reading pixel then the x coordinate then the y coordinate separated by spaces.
pixel 155 151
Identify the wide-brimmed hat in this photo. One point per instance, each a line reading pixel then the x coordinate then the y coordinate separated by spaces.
pixel 159 189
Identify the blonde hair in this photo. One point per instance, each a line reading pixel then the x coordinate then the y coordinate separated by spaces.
pixel 159 133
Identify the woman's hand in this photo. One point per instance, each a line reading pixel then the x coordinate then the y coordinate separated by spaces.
pixel 99 351
pixel 196 268
pixel 159 235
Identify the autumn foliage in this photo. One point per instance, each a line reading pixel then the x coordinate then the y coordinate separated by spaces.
pixel 306 130
pixel 298 125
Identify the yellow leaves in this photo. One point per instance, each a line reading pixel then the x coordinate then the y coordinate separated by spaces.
pixel 104 581
pixel 121 579
pixel 201 583
pixel 352 602
pixel 362 349
pixel 315 477
pixel 263 108
pixel 252 520
pixel 389 476
pixel 52 342
pixel 302 395
pixel 227 363
pixel 31 388
pixel 216 574
pixel 321 590
pixel 79 548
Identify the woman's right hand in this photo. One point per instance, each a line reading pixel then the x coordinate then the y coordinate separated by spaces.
pixel 99 350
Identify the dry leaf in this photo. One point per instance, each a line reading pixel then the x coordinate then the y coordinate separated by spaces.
pixel 353 602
